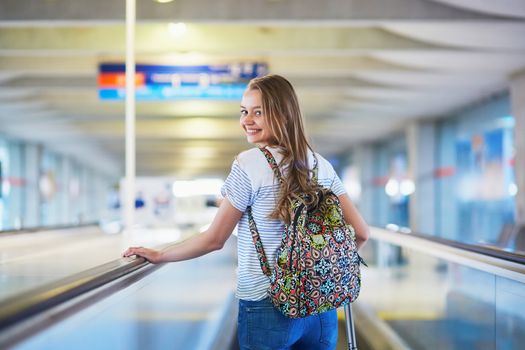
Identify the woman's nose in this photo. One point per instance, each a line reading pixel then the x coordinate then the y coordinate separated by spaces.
pixel 248 119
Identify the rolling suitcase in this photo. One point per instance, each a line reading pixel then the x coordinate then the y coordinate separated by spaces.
pixel 350 331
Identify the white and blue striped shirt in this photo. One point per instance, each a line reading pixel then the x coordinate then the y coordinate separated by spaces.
pixel 251 182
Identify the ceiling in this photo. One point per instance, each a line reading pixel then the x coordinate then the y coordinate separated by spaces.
pixel 362 70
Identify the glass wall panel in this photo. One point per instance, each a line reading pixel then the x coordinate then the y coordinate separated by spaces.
pixel 4 187
pixel 475 183
pixel 472 180
pixel 48 186
pixel 42 188
pixel 14 179
pixel 390 165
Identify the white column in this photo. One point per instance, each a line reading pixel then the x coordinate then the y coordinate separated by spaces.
pixel 129 202
pixel 32 200
pixel 421 163
pixel 517 96
pixel 85 190
pixel 65 178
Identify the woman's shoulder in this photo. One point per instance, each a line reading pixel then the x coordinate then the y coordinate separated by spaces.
pixel 255 165
pixel 251 161
pixel 247 155
pixel 249 158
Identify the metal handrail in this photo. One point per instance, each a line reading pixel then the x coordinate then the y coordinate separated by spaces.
pixel 23 306
pixel 487 259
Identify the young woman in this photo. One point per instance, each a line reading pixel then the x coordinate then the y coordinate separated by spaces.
pixel 270 118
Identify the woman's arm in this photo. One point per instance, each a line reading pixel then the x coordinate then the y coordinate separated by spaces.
pixel 355 219
pixel 211 239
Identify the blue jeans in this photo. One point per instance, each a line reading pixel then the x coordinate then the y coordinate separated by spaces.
pixel 261 326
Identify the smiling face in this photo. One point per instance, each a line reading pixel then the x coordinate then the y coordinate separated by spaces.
pixel 253 120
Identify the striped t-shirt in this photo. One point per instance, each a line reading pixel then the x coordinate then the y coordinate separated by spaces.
pixel 251 182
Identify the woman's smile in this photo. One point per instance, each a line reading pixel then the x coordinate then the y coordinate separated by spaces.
pixel 253 120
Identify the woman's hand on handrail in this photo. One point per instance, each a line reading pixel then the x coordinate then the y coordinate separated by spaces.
pixel 212 239
pixel 152 255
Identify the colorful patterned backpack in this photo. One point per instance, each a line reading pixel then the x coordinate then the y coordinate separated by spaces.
pixel 317 267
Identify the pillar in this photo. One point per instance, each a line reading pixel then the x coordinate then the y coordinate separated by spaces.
pixel 420 138
pixel 517 96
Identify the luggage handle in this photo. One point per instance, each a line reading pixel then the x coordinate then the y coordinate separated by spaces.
pixel 350 331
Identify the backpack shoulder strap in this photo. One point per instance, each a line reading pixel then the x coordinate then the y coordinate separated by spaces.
pixel 273 163
pixel 256 238
pixel 263 260
pixel 275 167
pixel 315 175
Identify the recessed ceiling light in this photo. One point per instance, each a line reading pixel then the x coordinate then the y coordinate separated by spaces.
pixel 163 1
pixel 177 29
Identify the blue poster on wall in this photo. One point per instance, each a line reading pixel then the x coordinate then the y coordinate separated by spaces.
pixel 481 167
pixel 485 186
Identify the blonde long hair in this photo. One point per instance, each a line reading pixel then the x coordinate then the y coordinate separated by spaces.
pixel 283 116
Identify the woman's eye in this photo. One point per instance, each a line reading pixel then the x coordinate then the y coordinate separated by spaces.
pixel 243 112
pixel 258 113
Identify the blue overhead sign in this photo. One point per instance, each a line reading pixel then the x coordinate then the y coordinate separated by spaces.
pixel 155 82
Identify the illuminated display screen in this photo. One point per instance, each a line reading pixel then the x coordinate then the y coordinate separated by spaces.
pixel 155 82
